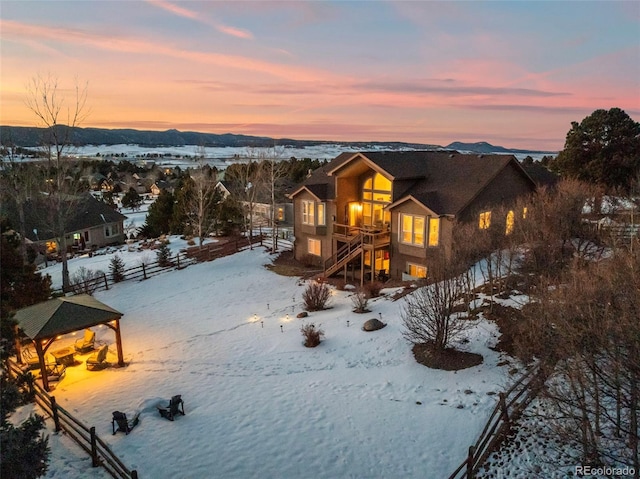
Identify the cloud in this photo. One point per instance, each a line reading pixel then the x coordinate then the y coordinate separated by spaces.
pixel 192 15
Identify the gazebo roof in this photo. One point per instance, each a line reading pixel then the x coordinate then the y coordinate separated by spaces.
pixel 63 315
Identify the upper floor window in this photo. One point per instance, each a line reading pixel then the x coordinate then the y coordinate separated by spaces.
pixel 510 220
pixel 412 229
pixel 485 220
pixel 434 231
pixel 314 213
pixel 376 194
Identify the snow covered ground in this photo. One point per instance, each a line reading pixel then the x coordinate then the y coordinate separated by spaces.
pixel 258 403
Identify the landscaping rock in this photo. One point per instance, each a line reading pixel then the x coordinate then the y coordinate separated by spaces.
pixel 373 325
pixel 303 314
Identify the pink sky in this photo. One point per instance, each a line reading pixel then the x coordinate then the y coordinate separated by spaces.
pixel 512 73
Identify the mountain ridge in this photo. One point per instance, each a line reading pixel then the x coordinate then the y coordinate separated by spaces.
pixel 30 137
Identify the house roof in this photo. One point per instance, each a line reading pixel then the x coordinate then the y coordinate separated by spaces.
pixel 63 315
pixel 443 181
pixel 88 213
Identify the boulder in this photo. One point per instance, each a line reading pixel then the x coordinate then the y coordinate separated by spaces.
pixel 373 325
pixel 303 314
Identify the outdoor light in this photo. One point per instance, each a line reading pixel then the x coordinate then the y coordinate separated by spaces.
pixel 380 316
pixel 347 323
pixel 287 319
pixel 255 317
pixel 262 324
pixel 281 329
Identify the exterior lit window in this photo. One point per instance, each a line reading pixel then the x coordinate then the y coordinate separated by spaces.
pixel 412 230
pixel 314 247
pixel 524 213
pixel 434 231
pixel 308 213
pixel 509 222
pixel 485 220
pixel 280 214
pixel 376 194
pixel 322 218
pixel 417 270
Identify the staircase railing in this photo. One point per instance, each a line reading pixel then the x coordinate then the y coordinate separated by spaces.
pixel 345 254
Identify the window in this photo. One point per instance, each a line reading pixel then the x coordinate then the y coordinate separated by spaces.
pixel 309 210
pixel 417 270
pixel 485 220
pixel 314 247
pixel 509 222
pixel 107 231
pixel 524 213
pixel 434 231
pixel 412 231
pixel 376 194
pixel 322 220
pixel 280 214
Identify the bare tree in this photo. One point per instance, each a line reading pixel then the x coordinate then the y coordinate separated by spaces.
pixel 200 201
pixel 248 182
pixel 58 119
pixel 274 170
pixel 428 314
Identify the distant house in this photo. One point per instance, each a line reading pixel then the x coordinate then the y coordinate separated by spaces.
pixel 161 185
pixel 391 214
pixel 93 224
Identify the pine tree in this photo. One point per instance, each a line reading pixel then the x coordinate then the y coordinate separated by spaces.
pixel 164 255
pixel 116 269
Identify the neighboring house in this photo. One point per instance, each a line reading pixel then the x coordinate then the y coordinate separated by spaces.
pixel 161 185
pixel 392 213
pixel 93 225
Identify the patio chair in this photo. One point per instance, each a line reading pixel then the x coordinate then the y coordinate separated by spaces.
pixel 87 343
pixel 124 425
pixel 31 359
pixel 98 360
pixel 176 406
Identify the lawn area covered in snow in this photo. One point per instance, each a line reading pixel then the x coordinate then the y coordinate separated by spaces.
pixel 224 335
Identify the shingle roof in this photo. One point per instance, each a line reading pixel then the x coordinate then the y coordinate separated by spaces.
pixel 63 315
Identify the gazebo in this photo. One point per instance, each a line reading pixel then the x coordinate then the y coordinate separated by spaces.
pixel 44 322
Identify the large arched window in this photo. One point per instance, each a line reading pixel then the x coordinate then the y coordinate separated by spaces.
pixel 376 194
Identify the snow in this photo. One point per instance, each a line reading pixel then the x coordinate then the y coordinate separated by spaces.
pixel 224 335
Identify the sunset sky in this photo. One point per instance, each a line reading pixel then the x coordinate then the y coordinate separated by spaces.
pixel 511 73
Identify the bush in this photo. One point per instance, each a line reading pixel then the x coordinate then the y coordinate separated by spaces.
pixel 316 296
pixel 360 300
pixel 116 269
pixel 373 289
pixel 310 260
pixel 312 336
pixel 86 280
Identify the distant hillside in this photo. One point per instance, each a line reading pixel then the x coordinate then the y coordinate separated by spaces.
pixel 484 147
pixel 30 137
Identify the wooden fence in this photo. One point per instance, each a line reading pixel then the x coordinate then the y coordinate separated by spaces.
pixel 181 260
pixel 510 406
pixel 86 437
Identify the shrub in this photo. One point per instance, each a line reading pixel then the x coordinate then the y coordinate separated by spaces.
pixel 360 299
pixel 312 336
pixel 340 284
pixel 85 280
pixel 310 260
pixel 316 296
pixel 373 289
pixel 116 269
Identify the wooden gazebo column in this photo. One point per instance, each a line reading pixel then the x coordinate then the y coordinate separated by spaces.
pixel 116 328
pixel 43 367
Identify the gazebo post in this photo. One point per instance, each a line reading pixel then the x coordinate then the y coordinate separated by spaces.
pixel 43 368
pixel 18 345
pixel 119 344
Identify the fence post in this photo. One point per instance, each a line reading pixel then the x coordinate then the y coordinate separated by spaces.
pixel 54 412
pixel 472 451
pixel 178 259
pixel 106 284
pixel 503 407
pixel 144 271
pixel 94 448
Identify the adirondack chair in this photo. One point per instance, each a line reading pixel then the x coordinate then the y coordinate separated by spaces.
pixel 176 406
pixel 98 360
pixel 87 343
pixel 124 425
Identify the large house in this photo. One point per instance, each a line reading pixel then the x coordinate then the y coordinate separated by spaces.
pixel 391 213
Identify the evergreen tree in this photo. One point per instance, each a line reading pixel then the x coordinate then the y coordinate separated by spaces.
pixel 164 255
pixel 116 269
pixel 603 148
pixel 131 199
pixel 159 216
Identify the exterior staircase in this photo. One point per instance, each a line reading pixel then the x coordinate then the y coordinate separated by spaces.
pixel 348 252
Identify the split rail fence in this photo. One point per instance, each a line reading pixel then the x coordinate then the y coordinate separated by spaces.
pixel 86 437
pixel 510 406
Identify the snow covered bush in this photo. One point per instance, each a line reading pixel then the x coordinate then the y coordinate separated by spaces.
pixel 360 299
pixel 86 280
pixel 312 336
pixel 316 296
